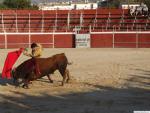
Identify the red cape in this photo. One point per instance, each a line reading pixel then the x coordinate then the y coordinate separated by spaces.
pixel 9 62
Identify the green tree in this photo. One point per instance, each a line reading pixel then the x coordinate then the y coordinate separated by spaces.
pixel 115 4
pixel 18 4
pixel 3 6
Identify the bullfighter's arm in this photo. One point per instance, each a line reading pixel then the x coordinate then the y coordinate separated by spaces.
pixel 25 52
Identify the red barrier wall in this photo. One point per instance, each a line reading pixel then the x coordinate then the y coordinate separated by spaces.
pixel 144 40
pixel 64 41
pixel 122 40
pixel 125 40
pixel 2 41
pixel 47 39
pixel 16 41
pixel 101 41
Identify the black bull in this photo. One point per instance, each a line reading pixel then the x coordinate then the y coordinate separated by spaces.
pixel 46 66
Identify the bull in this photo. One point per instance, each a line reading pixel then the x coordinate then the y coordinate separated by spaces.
pixel 46 66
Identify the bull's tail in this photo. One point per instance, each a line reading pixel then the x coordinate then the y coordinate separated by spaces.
pixel 69 63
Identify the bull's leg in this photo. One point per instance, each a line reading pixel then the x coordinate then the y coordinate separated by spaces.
pixel 26 86
pixel 15 82
pixel 51 81
pixel 62 72
pixel 64 78
pixel 68 75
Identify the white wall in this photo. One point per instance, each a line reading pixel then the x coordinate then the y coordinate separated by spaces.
pixel 125 6
pixel 69 7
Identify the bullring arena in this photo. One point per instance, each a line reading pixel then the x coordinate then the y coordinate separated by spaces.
pixel 112 76
pixel 103 80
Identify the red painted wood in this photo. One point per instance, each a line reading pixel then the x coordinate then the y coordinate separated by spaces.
pixel 125 40
pixel 111 11
pixel 64 41
pixel 144 40
pixel 125 37
pixel 6 12
pixel 16 41
pixel 101 41
pixel 144 45
pixel 2 41
pixel 17 38
pixel 18 46
pixel 125 45
pixel 67 41
pixel 42 39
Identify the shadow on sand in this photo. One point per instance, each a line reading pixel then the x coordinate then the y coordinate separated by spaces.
pixel 4 81
pixel 135 96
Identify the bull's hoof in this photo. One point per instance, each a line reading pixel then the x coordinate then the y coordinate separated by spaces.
pixel 62 84
pixel 67 81
pixel 51 81
pixel 17 86
pixel 30 82
pixel 25 86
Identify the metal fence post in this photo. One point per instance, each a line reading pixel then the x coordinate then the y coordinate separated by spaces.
pixel 53 36
pixel 137 38
pixel 5 39
pixel 113 37
pixel 29 31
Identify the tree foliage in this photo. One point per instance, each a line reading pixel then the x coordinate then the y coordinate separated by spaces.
pixel 26 4
pixel 17 4
pixel 115 4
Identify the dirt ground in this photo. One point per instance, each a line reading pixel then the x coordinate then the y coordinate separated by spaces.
pixel 102 81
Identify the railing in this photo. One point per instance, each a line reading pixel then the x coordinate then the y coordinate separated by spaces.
pixel 57 20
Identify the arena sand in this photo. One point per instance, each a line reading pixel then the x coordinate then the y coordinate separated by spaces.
pixel 102 81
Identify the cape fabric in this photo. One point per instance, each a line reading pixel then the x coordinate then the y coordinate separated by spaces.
pixel 9 62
